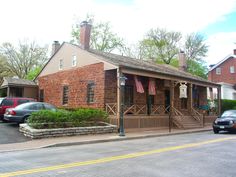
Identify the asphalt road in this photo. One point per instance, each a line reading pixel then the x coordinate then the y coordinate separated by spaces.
pixel 196 155
pixel 9 133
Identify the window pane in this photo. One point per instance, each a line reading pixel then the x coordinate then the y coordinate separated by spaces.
pixel 90 92
pixel 41 95
pixel 65 95
pixel 22 101
pixel 7 102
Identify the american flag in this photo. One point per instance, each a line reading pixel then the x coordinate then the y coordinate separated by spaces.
pixel 139 85
pixel 151 87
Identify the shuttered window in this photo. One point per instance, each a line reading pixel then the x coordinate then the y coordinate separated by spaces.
pixel 65 95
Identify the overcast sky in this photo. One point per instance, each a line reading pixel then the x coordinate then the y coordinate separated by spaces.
pixel 48 20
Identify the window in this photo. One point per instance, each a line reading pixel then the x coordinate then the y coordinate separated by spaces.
pixel 60 64
pixel 218 71
pixel 7 102
pixel 41 95
pixel 65 95
pixel 90 92
pixel 231 69
pixel 22 101
pixel 74 60
pixel 36 106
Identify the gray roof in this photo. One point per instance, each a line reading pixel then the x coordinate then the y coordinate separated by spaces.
pixel 119 60
pixel 11 81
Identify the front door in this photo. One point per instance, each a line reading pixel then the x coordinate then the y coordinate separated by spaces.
pixel 167 99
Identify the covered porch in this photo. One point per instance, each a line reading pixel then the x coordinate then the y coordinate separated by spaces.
pixel 165 106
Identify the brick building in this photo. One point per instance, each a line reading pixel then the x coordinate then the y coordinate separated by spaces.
pixel 77 76
pixel 224 73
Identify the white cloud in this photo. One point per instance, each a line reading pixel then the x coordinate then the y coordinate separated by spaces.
pixel 48 20
pixel 220 46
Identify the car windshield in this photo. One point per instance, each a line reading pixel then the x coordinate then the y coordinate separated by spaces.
pixel 1 100
pixel 229 114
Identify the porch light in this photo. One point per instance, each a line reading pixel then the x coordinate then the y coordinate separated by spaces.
pixel 122 91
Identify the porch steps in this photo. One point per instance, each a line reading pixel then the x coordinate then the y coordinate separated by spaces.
pixel 186 122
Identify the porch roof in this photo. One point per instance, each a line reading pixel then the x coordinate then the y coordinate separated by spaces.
pixel 10 81
pixel 138 64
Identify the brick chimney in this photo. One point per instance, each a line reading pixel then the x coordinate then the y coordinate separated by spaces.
pixel 182 61
pixel 234 51
pixel 85 31
pixel 55 46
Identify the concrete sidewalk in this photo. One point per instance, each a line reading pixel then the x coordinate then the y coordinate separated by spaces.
pixel 89 139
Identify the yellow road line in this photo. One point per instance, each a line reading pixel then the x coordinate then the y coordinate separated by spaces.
pixel 113 158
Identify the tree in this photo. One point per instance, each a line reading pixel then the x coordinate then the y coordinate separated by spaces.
pixel 161 44
pixel 195 47
pixel 24 58
pixel 102 37
pixel 197 68
pixel 4 70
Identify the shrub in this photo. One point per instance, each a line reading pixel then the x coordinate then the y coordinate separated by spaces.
pixel 64 118
pixel 228 104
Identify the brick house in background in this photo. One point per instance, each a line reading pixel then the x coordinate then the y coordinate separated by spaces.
pixel 77 76
pixel 224 73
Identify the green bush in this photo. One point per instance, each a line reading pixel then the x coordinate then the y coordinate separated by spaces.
pixel 228 104
pixel 65 118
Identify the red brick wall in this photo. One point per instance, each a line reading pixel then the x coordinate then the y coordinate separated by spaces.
pixel 225 75
pixel 77 80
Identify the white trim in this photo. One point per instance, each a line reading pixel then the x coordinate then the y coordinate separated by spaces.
pixel 222 61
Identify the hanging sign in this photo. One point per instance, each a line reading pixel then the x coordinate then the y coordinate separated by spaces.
pixel 183 90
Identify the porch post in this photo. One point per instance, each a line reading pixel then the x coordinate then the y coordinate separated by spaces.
pixel 219 99
pixel 191 96
pixel 8 91
pixel 118 97
pixel 172 90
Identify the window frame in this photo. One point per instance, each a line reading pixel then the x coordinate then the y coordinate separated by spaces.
pixel 218 71
pixel 90 92
pixel 231 69
pixel 74 60
pixel 41 95
pixel 60 64
pixel 65 95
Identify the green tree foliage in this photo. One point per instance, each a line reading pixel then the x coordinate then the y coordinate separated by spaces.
pixel 197 67
pixel 4 70
pixel 24 58
pixel 33 73
pixel 160 44
pixel 102 37
pixel 195 47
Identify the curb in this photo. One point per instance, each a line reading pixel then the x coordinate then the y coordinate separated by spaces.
pixel 123 138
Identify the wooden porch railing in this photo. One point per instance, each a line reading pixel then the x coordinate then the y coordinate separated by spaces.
pixel 111 108
pixel 197 116
pixel 137 109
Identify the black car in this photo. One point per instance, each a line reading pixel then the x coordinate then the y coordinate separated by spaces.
pixel 227 122
pixel 22 112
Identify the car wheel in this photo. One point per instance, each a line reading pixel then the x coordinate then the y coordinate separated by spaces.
pixel 25 119
pixel 215 131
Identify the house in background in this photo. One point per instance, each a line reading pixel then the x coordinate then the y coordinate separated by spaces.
pixel 15 87
pixel 77 76
pixel 224 73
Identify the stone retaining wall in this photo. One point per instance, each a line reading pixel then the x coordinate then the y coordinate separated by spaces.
pixel 59 132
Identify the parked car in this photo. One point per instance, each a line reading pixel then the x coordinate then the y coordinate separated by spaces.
pixel 227 122
pixel 20 113
pixel 11 102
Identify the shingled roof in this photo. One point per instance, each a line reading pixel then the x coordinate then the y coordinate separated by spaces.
pixel 123 61
pixel 11 81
